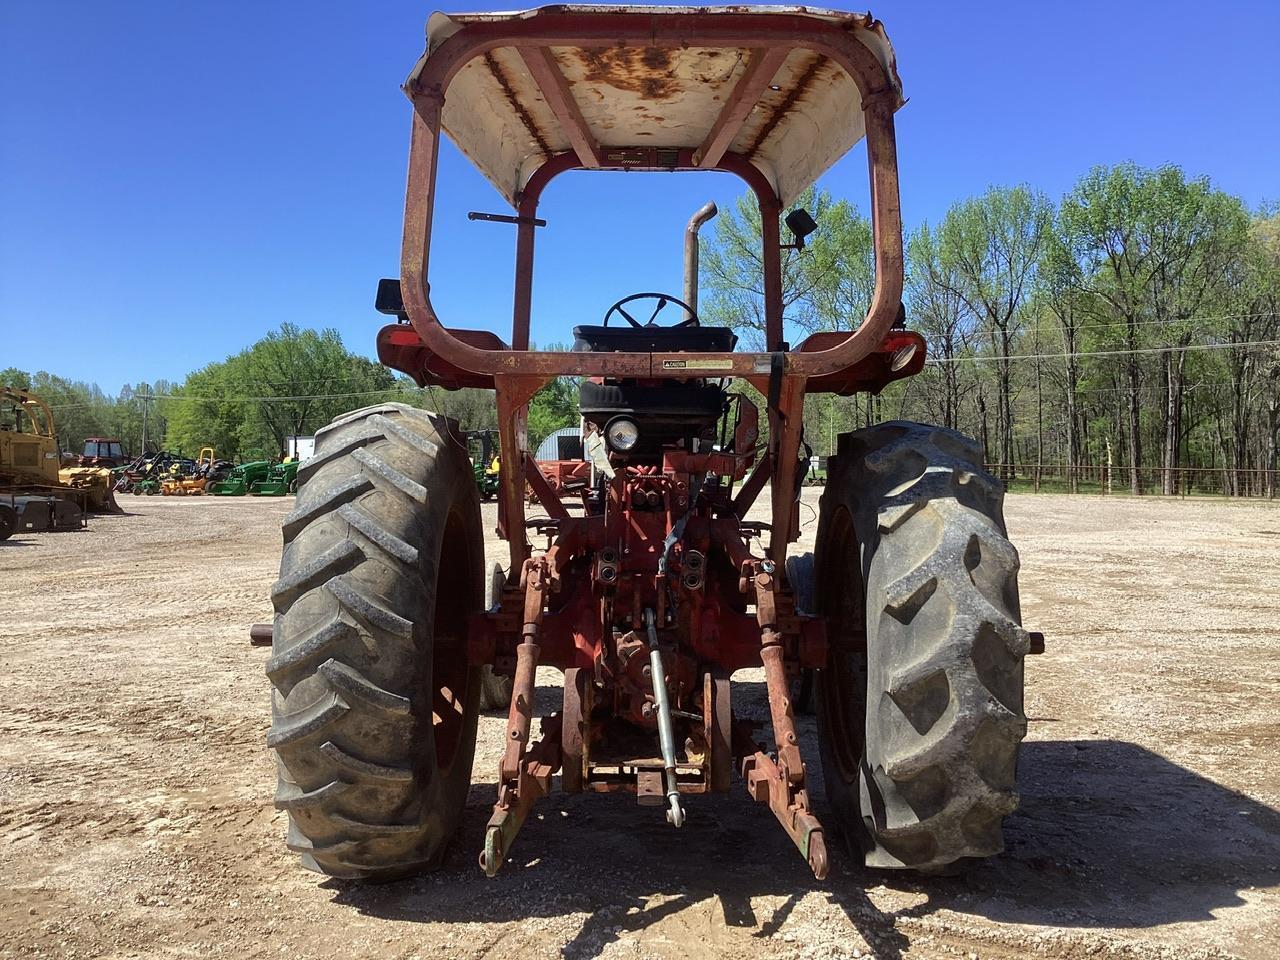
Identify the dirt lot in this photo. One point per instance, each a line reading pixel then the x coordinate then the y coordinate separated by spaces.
pixel 135 784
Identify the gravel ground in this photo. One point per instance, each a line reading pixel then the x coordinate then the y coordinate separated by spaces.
pixel 135 783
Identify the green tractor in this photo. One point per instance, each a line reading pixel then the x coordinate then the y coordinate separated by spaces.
pixel 241 478
pixel 482 446
pixel 282 479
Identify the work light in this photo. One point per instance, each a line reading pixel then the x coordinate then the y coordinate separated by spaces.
pixel 622 434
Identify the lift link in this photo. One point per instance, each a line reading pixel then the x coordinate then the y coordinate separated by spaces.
pixel 666 733
pixel 781 783
pixel 524 773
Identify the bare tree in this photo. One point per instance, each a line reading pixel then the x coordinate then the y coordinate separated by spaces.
pixel 936 309
pixel 993 244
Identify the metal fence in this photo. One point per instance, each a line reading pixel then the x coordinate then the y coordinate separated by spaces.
pixel 1117 481
pixel 1103 479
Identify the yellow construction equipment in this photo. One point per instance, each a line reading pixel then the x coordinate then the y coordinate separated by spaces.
pixel 28 442
pixel 97 483
pixel 193 484
pixel 33 495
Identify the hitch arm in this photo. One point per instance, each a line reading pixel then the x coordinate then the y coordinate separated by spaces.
pixel 523 774
pixel 781 784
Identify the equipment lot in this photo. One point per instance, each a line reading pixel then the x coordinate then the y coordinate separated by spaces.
pixel 135 781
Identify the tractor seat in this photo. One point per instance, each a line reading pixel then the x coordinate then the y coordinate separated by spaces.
pixel 630 339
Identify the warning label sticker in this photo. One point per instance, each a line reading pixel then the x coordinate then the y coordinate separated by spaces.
pixel 711 363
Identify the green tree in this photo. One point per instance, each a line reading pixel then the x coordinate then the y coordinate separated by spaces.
pixel 818 283
pixel 826 286
pixel 289 383
pixel 553 407
pixel 992 246
pixel 209 410
pixel 1154 247
pixel 301 379
pixel 13 377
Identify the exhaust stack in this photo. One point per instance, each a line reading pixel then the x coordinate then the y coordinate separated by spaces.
pixel 705 213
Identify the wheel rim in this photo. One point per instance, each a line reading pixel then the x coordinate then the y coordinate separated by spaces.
pixel 450 672
pixel 843 681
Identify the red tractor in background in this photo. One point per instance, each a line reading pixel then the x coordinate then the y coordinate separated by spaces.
pixel 652 597
pixel 102 452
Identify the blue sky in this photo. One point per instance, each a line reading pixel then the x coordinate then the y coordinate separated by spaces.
pixel 178 178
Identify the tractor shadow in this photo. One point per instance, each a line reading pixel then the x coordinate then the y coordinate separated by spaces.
pixel 122 514
pixel 1108 835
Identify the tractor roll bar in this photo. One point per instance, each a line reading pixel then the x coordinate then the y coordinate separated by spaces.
pixel 427 91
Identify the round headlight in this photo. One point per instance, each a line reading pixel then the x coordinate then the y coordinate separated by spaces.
pixel 622 434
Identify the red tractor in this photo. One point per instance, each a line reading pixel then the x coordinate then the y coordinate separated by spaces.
pixel 102 452
pixel 651 598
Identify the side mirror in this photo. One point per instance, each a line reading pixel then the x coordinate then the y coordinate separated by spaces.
pixel 389 300
pixel 801 225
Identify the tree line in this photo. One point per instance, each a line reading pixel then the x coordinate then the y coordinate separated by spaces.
pixel 290 383
pixel 1128 331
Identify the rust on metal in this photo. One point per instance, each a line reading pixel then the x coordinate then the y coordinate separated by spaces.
pixel 642 70
pixel 868 64
pixel 801 87
pixel 719 722
pixel 766 784
pixel 500 76
pixel 761 67
pixel 649 791
pixel 573 729
pixel 547 496
pixel 555 90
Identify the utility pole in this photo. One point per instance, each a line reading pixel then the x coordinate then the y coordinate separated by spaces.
pixel 146 406
pixel 1039 410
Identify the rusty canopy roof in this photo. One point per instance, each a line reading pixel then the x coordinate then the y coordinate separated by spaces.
pixel 791 111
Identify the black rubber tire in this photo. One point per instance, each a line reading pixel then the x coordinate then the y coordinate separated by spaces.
pixel 374 706
pixel 932 667
pixel 495 689
pixel 800 576
pixel 8 521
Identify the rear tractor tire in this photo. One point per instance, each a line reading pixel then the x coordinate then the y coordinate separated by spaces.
pixel 374 705
pixel 920 706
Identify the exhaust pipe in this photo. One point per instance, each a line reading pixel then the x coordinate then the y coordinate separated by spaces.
pixel 705 213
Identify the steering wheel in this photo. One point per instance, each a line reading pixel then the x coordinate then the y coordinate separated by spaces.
pixel 663 299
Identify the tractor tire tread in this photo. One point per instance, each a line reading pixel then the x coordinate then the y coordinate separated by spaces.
pixel 344 721
pixel 945 710
pixel 342 493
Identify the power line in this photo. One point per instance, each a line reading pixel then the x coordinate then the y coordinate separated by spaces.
pixel 304 396
pixel 146 397
pixel 1146 389
pixel 1085 326
pixel 1105 353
